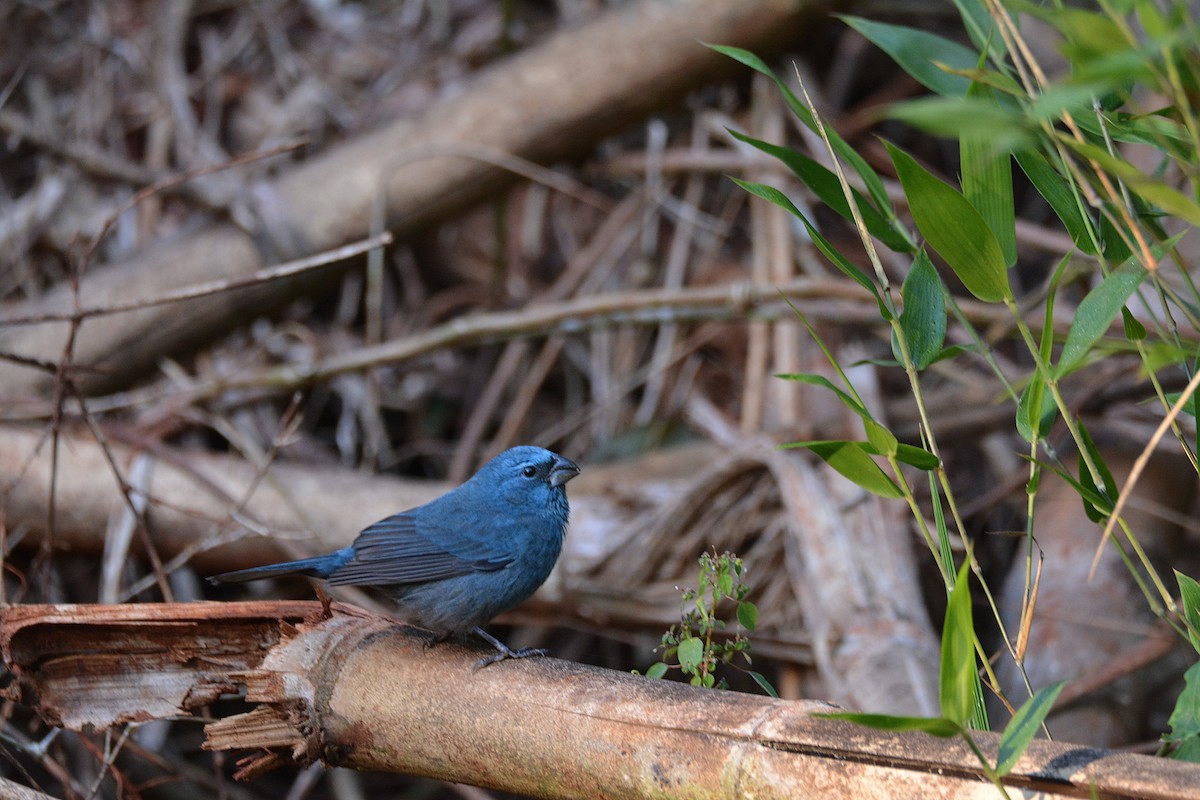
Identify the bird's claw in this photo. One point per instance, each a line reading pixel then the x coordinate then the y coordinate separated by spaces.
pixel 501 655
pixel 503 651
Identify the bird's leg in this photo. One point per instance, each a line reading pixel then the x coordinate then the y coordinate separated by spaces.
pixel 435 639
pixel 503 651
pixel 326 602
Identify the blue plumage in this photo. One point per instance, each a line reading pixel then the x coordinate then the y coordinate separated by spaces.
pixel 458 561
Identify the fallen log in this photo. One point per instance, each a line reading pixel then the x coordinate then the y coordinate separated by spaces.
pixel 354 690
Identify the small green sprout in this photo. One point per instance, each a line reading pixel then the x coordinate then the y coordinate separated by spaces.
pixel 692 646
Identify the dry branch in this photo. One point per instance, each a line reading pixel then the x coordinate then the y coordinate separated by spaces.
pixel 359 691
pixel 15 791
pixel 818 299
pixel 551 102
pixel 197 499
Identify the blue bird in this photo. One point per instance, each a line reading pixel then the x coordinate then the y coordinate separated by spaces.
pixel 456 562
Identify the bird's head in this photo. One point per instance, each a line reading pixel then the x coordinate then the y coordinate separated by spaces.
pixel 528 475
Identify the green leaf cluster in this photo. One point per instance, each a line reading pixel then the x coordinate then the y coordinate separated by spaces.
pixel 697 646
pixel 1112 146
pixel 1183 742
pixel 959 693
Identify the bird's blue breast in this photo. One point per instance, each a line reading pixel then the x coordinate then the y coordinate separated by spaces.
pixel 531 535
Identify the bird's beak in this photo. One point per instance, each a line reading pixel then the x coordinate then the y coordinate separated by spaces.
pixel 563 470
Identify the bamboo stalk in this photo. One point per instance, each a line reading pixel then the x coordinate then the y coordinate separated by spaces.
pixel 354 690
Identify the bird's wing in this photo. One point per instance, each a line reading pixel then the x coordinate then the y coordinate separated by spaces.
pixel 403 549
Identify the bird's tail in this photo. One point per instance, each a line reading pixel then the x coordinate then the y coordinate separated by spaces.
pixel 317 567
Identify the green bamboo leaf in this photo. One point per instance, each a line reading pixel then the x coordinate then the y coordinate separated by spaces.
pixel 917 457
pixel 744 57
pixel 828 188
pixel 1054 189
pixel 1165 134
pixel 881 440
pixel 813 379
pixel 1112 244
pixel 1189 593
pixel 939 522
pixel 1088 494
pixel 952 227
pixel 1075 98
pixel 764 684
pixel 850 270
pixel 956 688
pixel 844 151
pixel 947 352
pixel 1020 730
pixel 923 319
pixel 1008 86
pixel 1035 410
pixel 1173 397
pixel 1095 512
pixel 994 126
pixel 853 460
pixel 919 53
pixel 1135 331
pixel 1153 20
pixel 935 726
pixel 1151 189
pixel 1095 46
pixel 1170 200
pixel 987 180
pixel 1046 345
pixel 1185 718
pixel 1096 313
pixel 1089 35
pixel 958 349
pixel 905 453
pixel 981 27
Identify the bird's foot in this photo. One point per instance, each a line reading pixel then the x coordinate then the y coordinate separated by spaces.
pixel 434 640
pixel 326 603
pixel 503 651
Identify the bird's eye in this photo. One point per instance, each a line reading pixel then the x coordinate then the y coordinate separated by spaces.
pixel 529 472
